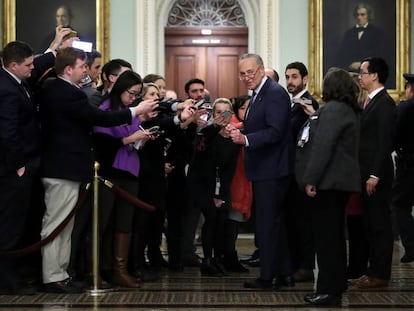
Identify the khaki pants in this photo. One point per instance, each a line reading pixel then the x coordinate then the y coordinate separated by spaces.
pixel 61 196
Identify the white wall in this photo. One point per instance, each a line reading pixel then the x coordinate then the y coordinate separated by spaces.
pixel 294 34
pixel 122 30
pixel 293 22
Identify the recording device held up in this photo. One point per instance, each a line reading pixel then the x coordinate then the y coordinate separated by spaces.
pixel 302 100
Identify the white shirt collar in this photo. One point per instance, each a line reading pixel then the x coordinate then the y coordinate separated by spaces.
pixel 363 26
pixel 257 90
pixel 13 75
pixel 299 95
pixel 68 81
pixel 375 92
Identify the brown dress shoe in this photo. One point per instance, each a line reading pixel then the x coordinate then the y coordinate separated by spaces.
pixel 371 282
pixel 356 281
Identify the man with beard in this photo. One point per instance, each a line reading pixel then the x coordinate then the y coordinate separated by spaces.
pixel 297 203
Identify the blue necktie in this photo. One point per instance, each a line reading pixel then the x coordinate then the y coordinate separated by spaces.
pixel 252 100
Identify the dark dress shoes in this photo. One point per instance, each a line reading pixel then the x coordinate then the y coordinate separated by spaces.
pixel 253 260
pixel 20 291
pixel 191 261
pixel 371 282
pixel 285 281
pixel 323 299
pixel 62 287
pixel 408 257
pixel 259 284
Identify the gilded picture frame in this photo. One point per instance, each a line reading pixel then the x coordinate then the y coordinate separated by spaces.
pixel 27 19
pixel 329 20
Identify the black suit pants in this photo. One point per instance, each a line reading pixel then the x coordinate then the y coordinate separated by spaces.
pixel 402 204
pixel 299 228
pixel 377 222
pixel 15 195
pixel 328 220
pixel 269 196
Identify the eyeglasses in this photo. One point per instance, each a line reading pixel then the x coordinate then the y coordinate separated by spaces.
pixel 248 74
pixel 133 94
pixel 361 73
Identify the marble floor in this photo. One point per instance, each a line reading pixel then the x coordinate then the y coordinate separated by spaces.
pixel 189 291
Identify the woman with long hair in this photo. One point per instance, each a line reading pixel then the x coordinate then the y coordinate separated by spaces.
pixel 119 162
pixel 327 169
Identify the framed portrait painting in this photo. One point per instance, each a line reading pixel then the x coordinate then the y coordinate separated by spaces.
pixel 344 32
pixel 34 21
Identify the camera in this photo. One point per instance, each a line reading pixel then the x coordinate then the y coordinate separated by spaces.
pixel 165 105
pixel 226 114
pixel 169 101
pixel 208 107
pixel 198 104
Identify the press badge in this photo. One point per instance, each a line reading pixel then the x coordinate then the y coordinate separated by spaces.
pixel 305 136
pixel 218 184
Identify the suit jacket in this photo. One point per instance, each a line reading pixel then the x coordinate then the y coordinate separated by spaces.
pixel 353 49
pixel 377 134
pixel 267 127
pixel 19 128
pixel 94 96
pixel 329 160
pixel 298 117
pixel 67 119
pixel 405 127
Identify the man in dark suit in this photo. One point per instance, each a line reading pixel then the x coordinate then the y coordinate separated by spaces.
pixel 362 40
pixel 377 133
pixel 19 149
pixel 266 138
pixel 298 205
pixel 67 119
pixel 402 191
pixel 254 259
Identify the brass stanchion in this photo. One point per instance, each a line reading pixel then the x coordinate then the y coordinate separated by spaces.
pixel 95 291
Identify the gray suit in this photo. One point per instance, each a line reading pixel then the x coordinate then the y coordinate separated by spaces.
pixel 329 161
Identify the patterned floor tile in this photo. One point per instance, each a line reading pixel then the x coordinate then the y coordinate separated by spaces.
pixel 189 291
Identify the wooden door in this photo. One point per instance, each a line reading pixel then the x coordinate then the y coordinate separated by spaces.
pixel 215 61
pixel 222 74
pixel 183 64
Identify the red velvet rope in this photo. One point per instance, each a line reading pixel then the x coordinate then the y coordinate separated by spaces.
pixel 81 200
pixel 36 246
pixel 127 196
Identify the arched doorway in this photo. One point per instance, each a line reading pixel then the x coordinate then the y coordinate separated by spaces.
pixel 203 39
